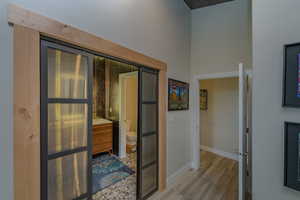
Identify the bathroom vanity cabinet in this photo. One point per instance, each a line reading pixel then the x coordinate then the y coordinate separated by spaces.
pixel 102 137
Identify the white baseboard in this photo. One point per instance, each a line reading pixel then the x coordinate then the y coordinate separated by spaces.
pixel 172 178
pixel 231 156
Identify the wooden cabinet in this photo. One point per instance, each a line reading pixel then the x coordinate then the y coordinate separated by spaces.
pixel 102 138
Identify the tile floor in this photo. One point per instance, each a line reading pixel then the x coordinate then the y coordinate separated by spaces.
pixel 123 190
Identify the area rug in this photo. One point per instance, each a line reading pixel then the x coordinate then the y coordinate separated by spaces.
pixel 108 170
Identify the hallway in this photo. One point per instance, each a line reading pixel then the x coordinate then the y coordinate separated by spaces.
pixel 216 179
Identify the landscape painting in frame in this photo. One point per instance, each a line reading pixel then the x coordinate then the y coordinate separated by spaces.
pixel 178 95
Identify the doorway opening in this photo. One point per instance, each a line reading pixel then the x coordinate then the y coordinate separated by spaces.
pixel 222 128
pixel 99 125
pixel 115 120
pixel 219 132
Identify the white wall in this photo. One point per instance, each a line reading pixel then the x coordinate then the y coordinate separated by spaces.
pixel 221 37
pixel 275 23
pixel 219 123
pixel 158 28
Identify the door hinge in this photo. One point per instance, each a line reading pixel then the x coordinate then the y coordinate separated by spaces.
pixel 243 154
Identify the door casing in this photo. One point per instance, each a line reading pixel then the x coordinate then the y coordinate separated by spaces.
pixel 195 88
pixel 27 29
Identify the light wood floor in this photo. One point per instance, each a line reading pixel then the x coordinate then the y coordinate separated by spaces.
pixel 217 179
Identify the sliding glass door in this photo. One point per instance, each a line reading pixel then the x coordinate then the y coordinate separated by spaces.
pixel 148 133
pixel 66 112
pixel 66 125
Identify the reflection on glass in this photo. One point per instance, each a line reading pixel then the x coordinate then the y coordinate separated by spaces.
pixel 67 177
pixel 149 150
pixel 149 86
pixel 67 75
pixel 149 176
pixel 149 122
pixel 67 127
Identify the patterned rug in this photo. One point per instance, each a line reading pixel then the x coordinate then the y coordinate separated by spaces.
pixel 108 170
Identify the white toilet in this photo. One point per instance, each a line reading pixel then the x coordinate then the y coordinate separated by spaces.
pixel 131 136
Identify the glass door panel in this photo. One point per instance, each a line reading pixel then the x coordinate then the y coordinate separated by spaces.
pixel 149 149
pixel 149 116
pixel 148 134
pixel 67 127
pixel 67 74
pixel 149 177
pixel 66 112
pixel 149 86
pixel 67 177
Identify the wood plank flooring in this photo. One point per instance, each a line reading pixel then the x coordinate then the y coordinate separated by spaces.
pixel 217 179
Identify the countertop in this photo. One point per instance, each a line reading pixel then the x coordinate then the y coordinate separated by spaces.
pixel 100 121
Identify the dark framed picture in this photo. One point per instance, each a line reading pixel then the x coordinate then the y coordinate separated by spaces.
pixel 178 95
pixel 292 155
pixel 203 99
pixel 291 79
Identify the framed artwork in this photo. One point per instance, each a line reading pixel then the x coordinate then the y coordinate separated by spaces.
pixel 292 155
pixel 291 79
pixel 178 95
pixel 203 99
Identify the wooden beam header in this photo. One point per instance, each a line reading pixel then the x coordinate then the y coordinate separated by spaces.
pixel 58 30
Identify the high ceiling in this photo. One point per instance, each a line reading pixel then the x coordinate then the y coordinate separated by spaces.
pixel 193 4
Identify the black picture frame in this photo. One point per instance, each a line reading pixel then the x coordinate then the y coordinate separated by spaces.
pixel 292 155
pixel 291 76
pixel 176 103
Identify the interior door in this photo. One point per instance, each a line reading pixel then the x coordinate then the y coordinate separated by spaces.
pixel 242 131
pixel 249 137
pixel 123 107
pixel 66 122
pixel 148 133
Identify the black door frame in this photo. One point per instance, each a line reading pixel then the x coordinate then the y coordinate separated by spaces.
pixel 140 166
pixel 45 44
pixel 57 44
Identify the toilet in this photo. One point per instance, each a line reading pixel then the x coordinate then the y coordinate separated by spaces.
pixel 131 138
